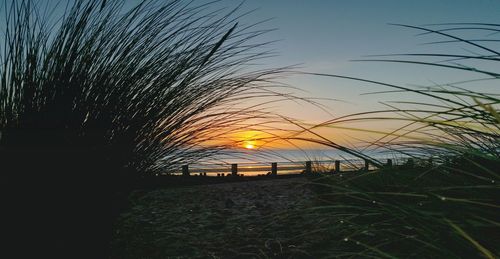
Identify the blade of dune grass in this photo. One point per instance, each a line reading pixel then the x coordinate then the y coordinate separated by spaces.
pixel 483 250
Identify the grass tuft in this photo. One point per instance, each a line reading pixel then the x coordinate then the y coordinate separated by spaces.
pixel 443 202
pixel 101 95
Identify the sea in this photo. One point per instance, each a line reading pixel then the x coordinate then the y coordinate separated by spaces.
pixel 258 162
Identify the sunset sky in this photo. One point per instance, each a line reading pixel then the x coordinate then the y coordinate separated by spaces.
pixel 325 36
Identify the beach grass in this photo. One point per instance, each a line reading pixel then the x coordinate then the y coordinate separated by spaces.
pixel 408 213
pixel 443 203
pixel 98 95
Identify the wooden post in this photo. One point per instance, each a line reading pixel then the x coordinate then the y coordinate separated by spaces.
pixel 274 168
pixel 308 167
pixel 367 165
pixel 185 170
pixel 234 169
pixel 337 166
pixel 389 162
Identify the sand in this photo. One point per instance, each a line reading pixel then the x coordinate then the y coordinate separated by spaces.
pixel 229 220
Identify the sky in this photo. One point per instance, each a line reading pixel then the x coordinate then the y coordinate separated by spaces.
pixel 324 36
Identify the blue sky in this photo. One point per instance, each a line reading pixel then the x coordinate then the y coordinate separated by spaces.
pixel 323 36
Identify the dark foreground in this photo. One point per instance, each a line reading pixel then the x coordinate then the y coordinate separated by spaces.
pixel 393 213
pixel 229 220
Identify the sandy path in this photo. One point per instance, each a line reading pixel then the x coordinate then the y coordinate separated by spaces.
pixel 228 220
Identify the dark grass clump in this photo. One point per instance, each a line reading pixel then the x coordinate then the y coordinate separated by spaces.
pixel 444 202
pixel 402 213
pixel 94 99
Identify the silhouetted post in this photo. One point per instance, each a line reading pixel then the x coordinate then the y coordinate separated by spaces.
pixel 389 162
pixel 185 170
pixel 308 167
pixel 274 169
pixel 234 169
pixel 367 165
pixel 337 166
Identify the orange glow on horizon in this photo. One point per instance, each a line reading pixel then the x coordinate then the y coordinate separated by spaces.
pixel 348 134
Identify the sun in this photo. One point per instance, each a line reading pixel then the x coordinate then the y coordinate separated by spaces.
pixel 248 139
pixel 249 144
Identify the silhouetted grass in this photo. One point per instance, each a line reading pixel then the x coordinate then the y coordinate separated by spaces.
pixel 444 203
pixel 94 99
